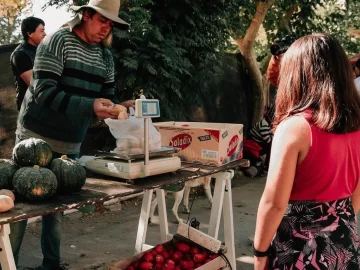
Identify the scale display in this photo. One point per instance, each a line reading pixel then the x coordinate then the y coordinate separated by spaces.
pixel 147 108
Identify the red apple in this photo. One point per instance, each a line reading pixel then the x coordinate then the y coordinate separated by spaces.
pixel 177 256
pixel 166 255
pixel 159 249
pixel 194 250
pixel 147 257
pixel 199 258
pixel 159 259
pixel 187 264
pixel 183 247
pixel 146 265
pixel 169 261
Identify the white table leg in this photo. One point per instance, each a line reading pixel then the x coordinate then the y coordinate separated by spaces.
pixel 229 223
pixel 143 221
pixel 216 208
pixel 164 228
pixel 6 256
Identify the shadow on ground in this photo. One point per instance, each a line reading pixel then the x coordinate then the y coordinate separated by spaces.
pixel 94 241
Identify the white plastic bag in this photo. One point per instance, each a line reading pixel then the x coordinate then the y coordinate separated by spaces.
pixel 129 135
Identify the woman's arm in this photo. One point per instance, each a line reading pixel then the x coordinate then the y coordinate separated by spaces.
pixel 355 198
pixel 290 146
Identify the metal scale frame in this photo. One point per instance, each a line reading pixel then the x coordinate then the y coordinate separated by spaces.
pixel 134 166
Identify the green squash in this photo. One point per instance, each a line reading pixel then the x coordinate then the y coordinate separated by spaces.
pixel 70 174
pixel 7 170
pixel 32 152
pixel 35 183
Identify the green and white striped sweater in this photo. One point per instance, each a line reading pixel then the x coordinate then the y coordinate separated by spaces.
pixel 68 75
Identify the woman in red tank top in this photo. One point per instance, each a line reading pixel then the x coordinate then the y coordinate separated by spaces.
pixel 307 214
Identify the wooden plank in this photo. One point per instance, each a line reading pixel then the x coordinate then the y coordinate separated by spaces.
pixel 99 188
pixel 199 237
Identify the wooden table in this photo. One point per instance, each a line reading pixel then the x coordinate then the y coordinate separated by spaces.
pixel 99 189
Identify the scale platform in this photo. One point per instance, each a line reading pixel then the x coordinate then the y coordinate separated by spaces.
pixel 164 151
pixel 127 166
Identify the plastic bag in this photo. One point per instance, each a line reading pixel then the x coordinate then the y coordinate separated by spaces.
pixel 129 135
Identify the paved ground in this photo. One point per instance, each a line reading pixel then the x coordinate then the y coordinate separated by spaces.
pixel 94 241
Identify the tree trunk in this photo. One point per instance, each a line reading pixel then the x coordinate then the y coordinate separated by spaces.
pixel 246 46
pixel 284 24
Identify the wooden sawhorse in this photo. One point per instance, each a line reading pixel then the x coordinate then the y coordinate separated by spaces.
pixel 6 255
pixel 222 204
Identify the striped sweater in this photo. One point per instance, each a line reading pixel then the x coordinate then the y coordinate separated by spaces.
pixel 68 75
pixel 261 132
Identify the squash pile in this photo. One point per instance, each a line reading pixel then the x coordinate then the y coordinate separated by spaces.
pixel 35 175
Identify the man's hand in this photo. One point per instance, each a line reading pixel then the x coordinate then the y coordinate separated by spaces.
pixel 121 113
pixel 104 108
pixel 128 104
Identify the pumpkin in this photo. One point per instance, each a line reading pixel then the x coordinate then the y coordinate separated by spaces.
pixel 7 171
pixel 70 174
pixel 6 203
pixel 35 183
pixel 32 152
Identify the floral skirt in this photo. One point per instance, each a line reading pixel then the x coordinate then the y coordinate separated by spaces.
pixel 317 235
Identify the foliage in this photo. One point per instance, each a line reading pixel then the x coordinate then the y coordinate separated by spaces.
pixel 61 3
pixel 174 48
pixel 10 13
pixel 337 20
pixel 310 16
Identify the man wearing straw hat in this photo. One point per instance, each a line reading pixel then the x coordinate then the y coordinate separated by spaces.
pixel 72 81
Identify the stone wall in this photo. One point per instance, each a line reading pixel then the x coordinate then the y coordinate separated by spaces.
pixel 8 111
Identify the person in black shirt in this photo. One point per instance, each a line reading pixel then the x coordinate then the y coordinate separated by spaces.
pixel 22 58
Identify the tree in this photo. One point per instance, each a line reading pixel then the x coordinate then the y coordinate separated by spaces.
pixel 61 3
pixel 278 18
pixel 10 19
pixel 172 50
pixel 173 47
pixel 246 44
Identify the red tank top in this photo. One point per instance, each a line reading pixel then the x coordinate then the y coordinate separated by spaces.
pixel 331 169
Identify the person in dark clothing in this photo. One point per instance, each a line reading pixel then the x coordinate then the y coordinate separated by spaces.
pixel 73 82
pixel 259 139
pixel 22 58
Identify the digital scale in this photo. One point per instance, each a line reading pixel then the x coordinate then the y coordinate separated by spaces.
pixel 134 166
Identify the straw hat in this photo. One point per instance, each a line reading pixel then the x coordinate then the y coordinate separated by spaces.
pixel 108 8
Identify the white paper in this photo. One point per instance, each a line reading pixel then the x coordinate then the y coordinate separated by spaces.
pixel 82 160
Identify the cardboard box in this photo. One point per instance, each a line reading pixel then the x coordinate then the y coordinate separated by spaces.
pixel 197 238
pixel 217 263
pixel 213 144
pixel 123 264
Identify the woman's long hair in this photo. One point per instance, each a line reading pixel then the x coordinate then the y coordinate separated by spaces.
pixel 315 74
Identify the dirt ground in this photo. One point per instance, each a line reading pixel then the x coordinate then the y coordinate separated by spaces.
pixel 94 241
